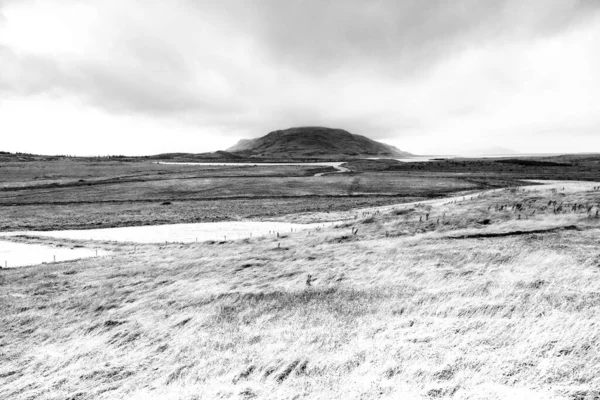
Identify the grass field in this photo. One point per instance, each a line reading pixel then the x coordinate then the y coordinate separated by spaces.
pixel 567 167
pixel 80 194
pixel 489 296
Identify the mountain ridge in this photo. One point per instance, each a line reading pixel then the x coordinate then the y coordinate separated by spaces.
pixel 314 142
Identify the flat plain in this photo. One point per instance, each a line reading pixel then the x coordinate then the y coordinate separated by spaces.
pixel 80 193
pixel 463 281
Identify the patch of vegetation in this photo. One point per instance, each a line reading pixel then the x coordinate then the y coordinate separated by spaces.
pixel 490 281
pixel 534 163
pixel 84 194
pixel 399 309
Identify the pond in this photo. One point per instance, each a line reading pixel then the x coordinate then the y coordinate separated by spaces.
pixel 250 164
pixel 13 255
pixel 178 233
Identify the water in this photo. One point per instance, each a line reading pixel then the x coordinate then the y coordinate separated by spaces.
pixel 450 157
pixel 14 255
pixel 337 164
pixel 247 164
pixel 418 158
pixel 179 233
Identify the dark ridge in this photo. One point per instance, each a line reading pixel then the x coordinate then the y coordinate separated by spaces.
pixel 314 142
pixel 513 233
pixel 534 163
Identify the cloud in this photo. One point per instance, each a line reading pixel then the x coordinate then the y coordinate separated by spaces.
pixel 400 37
pixel 405 71
pixel 121 69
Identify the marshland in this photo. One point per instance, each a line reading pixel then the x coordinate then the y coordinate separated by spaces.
pixel 462 279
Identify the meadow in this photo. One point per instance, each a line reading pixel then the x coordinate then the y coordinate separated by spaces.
pixel 82 193
pixel 477 288
pixel 489 296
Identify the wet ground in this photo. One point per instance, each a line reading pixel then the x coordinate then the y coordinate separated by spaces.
pixel 177 233
pixel 13 255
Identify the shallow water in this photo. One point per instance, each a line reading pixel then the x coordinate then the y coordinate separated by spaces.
pixel 179 233
pixel 249 164
pixel 14 255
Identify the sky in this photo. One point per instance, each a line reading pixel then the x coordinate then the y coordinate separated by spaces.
pixel 139 77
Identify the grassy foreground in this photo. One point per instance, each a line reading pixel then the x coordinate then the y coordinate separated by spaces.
pixel 494 297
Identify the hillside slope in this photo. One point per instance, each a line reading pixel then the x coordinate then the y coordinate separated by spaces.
pixel 409 307
pixel 317 142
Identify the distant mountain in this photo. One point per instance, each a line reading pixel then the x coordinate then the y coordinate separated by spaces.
pixel 314 142
pixel 217 155
pixel 490 151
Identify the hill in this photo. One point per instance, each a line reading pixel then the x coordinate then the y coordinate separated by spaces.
pixel 315 142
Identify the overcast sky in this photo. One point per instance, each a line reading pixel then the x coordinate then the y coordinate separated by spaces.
pixel 430 77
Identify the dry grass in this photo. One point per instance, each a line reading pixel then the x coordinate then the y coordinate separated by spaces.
pixel 427 311
pixel 84 194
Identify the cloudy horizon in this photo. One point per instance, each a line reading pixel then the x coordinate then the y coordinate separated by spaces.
pixel 94 77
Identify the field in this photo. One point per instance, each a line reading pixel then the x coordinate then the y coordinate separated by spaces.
pixel 489 293
pixel 79 194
